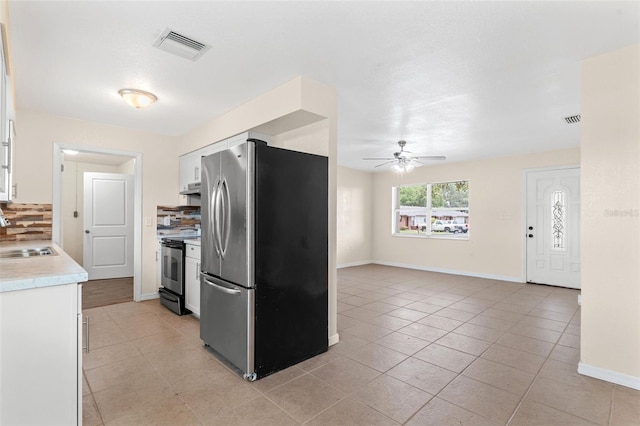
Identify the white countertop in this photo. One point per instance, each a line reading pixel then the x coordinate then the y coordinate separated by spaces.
pixel 38 271
pixel 194 242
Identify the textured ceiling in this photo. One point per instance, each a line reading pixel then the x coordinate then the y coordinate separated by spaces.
pixel 462 79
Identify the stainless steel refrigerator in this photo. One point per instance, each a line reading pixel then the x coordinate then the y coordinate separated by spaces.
pixel 264 280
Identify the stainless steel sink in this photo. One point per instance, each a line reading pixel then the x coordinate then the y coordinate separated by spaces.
pixel 25 253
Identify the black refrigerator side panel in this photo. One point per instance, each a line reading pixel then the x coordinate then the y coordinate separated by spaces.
pixel 291 258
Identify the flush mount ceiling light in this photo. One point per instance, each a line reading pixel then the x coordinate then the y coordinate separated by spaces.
pixel 137 98
pixel 70 151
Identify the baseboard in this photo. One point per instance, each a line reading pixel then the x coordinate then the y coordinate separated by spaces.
pixel 334 339
pixel 149 296
pixel 453 272
pixel 350 264
pixel 609 376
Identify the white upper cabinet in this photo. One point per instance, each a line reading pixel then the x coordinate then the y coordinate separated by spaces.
pixel 189 170
pixel 7 130
pixel 190 164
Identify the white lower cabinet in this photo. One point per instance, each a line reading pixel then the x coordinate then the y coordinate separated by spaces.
pixel 192 279
pixel 159 264
pixel 41 356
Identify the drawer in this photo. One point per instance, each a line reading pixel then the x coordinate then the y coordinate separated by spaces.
pixel 193 251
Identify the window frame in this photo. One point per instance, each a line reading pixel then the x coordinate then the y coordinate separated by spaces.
pixel 429 209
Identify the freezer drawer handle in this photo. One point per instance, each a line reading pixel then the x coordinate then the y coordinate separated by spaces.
pixel 233 292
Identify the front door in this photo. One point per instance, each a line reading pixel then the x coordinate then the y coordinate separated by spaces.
pixel 108 225
pixel 553 227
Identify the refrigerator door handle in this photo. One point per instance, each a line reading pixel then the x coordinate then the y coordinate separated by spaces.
pixel 231 291
pixel 213 214
pixel 226 205
pixel 217 218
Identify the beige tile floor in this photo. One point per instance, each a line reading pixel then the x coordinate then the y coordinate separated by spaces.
pixel 416 348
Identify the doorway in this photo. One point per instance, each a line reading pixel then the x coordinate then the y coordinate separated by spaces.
pixel 553 227
pixel 68 227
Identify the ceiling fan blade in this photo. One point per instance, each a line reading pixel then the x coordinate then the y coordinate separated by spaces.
pixel 430 157
pixel 385 163
pixel 378 158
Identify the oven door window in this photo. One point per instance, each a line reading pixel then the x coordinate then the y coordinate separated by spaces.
pixel 172 272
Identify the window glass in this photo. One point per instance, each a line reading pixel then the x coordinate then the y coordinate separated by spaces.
pixel 450 207
pixel 412 211
pixel 558 218
pixel 432 209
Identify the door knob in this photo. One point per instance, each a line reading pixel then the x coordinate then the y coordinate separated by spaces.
pixel 531 228
pixel 86 231
pixel 530 235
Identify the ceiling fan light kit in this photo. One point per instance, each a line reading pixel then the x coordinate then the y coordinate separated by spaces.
pixel 403 163
pixel 403 167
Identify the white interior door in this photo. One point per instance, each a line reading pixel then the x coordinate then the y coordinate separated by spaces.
pixel 553 227
pixel 108 225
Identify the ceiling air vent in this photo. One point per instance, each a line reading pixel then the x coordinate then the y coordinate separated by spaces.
pixel 172 42
pixel 572 119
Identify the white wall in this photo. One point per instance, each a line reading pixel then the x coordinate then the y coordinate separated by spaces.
pixel 279 104
pixel 33 162
pixel 72 200
pixel 354 217
pixel 610 341
pixel 495 245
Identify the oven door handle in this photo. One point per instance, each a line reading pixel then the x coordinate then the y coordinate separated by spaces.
pixel 231 291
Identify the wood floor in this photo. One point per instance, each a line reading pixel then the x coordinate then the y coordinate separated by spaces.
pixel 96 293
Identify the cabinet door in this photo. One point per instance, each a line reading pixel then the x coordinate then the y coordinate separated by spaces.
pixel 39 363
pixel 213 148
pixel 184 172
pixel 5 136
pixel 189 169
pixel 192 285
pixel 80 349
pixel 159 265
pixel 193 166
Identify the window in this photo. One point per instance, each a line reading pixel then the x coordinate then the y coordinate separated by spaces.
pixel 558 219
pixel 432 209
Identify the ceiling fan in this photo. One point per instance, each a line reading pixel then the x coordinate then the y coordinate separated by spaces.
pixel 402 162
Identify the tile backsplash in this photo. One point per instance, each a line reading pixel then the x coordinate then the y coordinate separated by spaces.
pixel 26 222
pixel 34 221
pixel 172 220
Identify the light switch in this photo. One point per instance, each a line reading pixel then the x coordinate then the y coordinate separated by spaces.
pixel 148 221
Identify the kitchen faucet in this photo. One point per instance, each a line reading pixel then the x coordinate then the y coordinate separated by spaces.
pixel 3 220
